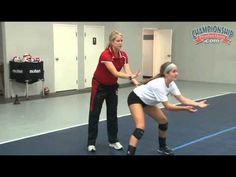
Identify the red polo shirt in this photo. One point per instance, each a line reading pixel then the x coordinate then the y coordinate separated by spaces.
pixel 102 74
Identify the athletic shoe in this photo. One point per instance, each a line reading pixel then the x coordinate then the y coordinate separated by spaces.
pixel 165 150
pixel 116 146
pixel 91 148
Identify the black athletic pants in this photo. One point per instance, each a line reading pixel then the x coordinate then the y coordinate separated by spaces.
pixel 98 95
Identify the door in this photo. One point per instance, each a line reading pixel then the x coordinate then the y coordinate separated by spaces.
pixel 161 48
pixel 93 47
pixel 147 54
pixel 65 57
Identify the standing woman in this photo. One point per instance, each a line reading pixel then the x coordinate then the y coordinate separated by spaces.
pixel 105 87
pixel 144 99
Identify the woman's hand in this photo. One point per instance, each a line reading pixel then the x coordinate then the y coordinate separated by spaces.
pixel 191 108
pixel 203 104
pixel 136 74
pixel 135 82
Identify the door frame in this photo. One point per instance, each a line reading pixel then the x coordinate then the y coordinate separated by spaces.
pixel 143 59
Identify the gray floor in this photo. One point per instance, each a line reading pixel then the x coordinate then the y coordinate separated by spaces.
pixel 40 116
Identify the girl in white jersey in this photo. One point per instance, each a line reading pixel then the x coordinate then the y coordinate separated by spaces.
pixel 144 99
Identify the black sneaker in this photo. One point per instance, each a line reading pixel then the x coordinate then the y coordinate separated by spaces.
pixel 165 150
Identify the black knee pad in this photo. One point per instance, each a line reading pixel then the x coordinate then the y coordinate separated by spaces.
pixel 163 127
pixel 138 133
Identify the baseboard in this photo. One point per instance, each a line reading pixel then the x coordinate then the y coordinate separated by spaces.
pixel 147 77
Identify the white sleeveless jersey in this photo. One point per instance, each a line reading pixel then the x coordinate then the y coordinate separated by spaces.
pixel 156 91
